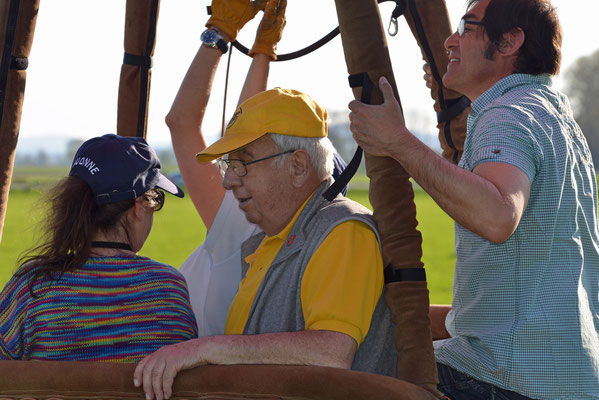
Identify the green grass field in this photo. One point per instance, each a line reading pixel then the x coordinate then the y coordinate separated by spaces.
pixel 178 230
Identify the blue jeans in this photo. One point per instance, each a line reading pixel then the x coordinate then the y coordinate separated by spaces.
pixel 458 386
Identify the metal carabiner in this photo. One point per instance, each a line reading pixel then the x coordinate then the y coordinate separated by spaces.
pixel 393 27
pixel 400 7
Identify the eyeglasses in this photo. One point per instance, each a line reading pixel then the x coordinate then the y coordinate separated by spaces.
pixel 240 167
pixel 462 25
pixel 158 199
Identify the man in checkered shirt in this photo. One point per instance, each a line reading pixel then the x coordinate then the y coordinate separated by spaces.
pixel 524 321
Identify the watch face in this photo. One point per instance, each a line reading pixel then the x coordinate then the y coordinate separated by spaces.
pixel 209 37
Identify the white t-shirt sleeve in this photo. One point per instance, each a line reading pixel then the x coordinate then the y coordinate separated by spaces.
pixel 213 270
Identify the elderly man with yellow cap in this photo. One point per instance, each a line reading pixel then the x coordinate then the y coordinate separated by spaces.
pixel 312 291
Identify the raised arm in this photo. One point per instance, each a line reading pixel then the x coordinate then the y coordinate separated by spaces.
pixel 263 51
pixel 257 77
pixel 489 200
pixel 203 181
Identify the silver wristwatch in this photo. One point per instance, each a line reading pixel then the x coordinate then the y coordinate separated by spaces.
pixel 212 38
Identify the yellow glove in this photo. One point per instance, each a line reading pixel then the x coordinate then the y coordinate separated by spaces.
pixel 229 16
pixel 270 30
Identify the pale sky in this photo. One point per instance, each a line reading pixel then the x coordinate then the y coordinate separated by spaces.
pixel 72 80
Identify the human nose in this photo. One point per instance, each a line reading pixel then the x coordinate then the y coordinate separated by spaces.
pixel 451 41
pixel 230 179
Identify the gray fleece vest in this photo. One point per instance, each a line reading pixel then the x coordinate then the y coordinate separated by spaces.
pixel 277 306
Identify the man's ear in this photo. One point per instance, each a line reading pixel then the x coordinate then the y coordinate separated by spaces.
pixel 300 166
pixel 512 42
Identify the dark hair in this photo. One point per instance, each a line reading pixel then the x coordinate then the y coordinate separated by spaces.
pixel 72 219
pixel 541 51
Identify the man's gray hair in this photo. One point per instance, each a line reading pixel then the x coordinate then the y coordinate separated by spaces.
pixel 320 149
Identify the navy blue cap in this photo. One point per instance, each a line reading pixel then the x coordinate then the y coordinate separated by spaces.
pixel 339 165
pixel 120 168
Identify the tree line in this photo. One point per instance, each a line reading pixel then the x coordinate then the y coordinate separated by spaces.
pixel 582 86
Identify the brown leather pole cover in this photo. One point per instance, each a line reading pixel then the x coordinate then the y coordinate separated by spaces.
pixel 392 198
pixel 433 17
pixel 15 86
pixel 88 380
pixel 134 87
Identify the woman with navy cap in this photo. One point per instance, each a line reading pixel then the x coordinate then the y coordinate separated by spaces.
pixel 84 293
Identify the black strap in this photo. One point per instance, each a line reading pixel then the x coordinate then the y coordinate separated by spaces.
pixel 400 8
pixel 140 61
pixel 112 245
pixel 404 274
pixel 105 198
pixel 294 54
pixel 455 108
pixel 425 46
pixel 6 61
pixel 345 176
pixel 222 46
pixel 449 141
pixel 365 82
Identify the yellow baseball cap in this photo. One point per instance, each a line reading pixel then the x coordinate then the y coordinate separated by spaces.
pixel 283 111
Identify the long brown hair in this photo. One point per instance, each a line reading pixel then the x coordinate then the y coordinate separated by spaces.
pixel 72 218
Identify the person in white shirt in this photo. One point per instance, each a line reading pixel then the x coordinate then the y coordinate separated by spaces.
pixel 213 270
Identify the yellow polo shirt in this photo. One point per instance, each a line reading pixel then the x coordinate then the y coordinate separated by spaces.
pixel 341 285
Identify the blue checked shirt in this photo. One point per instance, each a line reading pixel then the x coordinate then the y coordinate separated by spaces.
pixel 525 313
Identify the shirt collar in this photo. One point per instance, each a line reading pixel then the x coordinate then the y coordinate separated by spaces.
pixel 504 85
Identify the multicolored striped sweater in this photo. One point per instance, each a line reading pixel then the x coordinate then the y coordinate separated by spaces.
pixel 113 309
